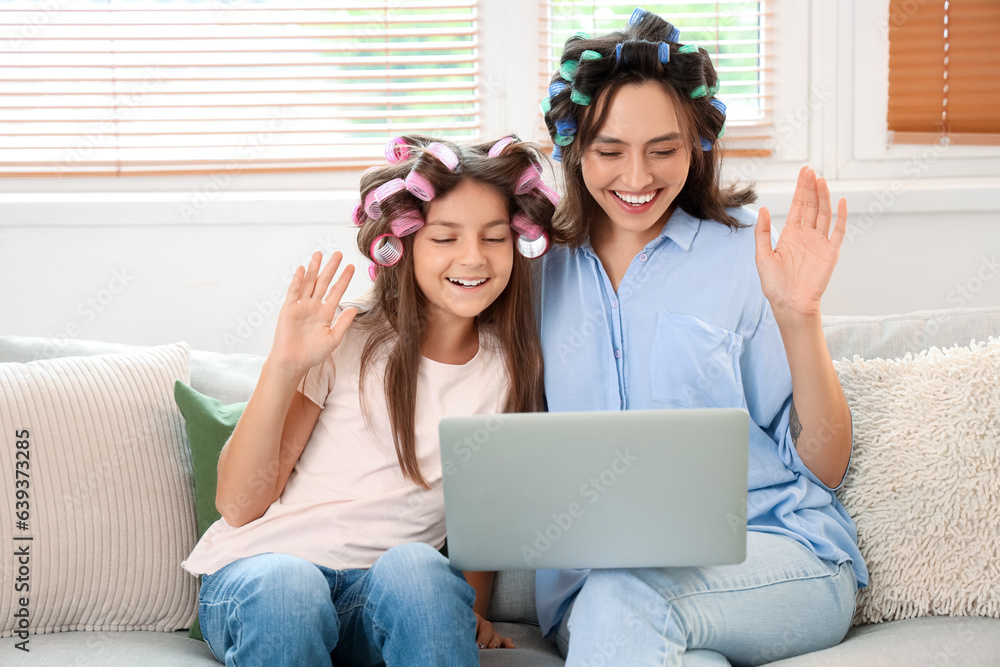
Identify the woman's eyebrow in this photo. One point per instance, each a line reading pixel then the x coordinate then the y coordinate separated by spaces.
pixel 669 136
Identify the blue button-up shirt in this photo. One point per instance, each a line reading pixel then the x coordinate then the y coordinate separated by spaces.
pixel 688 328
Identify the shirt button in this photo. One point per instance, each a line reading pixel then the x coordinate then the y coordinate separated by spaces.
pixel 618 354
pixel 614 304
pixel 643 257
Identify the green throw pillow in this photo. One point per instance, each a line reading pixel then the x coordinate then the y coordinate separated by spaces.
pixel 209 424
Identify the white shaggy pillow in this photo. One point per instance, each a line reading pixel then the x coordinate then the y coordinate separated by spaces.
pixel 924 481
pixel 106 482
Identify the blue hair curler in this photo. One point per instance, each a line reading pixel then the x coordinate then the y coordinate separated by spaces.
pixel 637 15
pixel 557 88
pixel 618 52
pixel 566 126
pixel 718 104
pixel 706 145
pixel 674 36
pixel 557 153
pixel 664 51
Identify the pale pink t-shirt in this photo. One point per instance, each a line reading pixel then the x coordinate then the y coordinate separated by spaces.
pixel 346 501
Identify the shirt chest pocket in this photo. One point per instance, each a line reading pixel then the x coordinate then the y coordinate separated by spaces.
pixel 695 364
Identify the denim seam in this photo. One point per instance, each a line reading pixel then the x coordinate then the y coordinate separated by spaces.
pixel 237 639
pixel 755 586
pixel 382 634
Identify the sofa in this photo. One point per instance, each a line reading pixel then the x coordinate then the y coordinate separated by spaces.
pixel 936 634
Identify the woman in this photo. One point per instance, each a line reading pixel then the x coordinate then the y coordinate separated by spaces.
pixel 657 257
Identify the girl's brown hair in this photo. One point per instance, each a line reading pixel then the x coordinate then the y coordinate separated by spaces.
pixel 630 57
pixel 393 312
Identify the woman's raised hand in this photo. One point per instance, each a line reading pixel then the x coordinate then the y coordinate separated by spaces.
pixel 794 275
pixel 306 333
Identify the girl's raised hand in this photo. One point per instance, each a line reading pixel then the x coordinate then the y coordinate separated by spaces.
pixel 306 333
pixel 794 275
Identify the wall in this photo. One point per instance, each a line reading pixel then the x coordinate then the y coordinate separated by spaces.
pixel 129 266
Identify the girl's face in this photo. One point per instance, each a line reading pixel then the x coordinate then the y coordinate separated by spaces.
pixel 638 162
pixel 462 256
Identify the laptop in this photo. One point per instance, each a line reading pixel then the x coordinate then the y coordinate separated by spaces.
pixel 634 488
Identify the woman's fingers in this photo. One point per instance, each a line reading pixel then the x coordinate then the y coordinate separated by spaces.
pixel 762 234
pixel 823 195
pixel 798 199
pixel 811 210
pixel 840 228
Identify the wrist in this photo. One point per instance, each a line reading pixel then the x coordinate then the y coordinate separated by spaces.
pixel 284 373
pixel 796 319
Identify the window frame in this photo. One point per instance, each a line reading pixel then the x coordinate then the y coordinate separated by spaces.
pixel 829 124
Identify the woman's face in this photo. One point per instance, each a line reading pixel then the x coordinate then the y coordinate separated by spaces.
pixel 637 163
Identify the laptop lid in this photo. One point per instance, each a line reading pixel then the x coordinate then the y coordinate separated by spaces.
pixel 634 488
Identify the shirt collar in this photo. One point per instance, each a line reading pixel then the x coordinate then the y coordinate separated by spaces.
pixel 681 228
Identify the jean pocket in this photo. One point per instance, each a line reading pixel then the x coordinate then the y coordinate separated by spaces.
pixel 695 364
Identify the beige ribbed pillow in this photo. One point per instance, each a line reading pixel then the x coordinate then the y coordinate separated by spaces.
pixel 110 503
pixel 924 481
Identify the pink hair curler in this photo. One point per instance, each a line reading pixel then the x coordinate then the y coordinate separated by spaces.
pixel 551 194
pixel 533 249
pixel 373 271
pixel 498 147
pixel 528 180
pixel 419 186
pixel 444 154
pixel 396 150
pixel 373 206
pixel 406 223
pixel 356 215
pixel 527 229
pixel 386 250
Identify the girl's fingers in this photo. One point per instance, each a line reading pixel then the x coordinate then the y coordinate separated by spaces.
pixel 341 325
pixel 309 281
pixel 823 194
pixel 336 292
pixel 295 287
pixel 327 275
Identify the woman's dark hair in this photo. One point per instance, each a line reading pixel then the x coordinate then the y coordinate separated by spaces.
pixel 393 312
pixel 630 57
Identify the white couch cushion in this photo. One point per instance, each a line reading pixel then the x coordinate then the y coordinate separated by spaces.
pixel 924 480
pixel 108 492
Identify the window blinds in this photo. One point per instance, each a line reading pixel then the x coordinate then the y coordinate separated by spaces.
pixel 944 61
pixel 734 34
pixel 115 87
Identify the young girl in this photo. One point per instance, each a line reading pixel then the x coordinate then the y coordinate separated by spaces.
pixel 330 486
pixel 660 260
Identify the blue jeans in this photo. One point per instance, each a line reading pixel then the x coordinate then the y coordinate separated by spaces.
pixel 410 608
pixel 780 602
